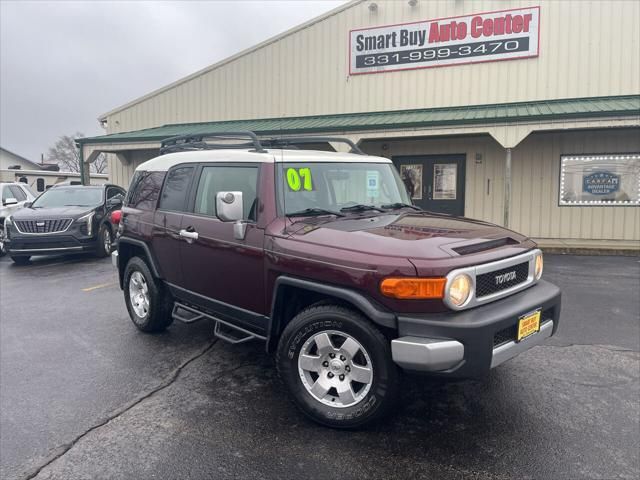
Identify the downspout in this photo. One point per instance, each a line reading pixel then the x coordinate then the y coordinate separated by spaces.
pixel 507 187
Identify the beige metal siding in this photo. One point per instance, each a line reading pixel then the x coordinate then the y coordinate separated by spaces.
pixel 534 208
pixel 534 201
pixel 120 173
pixel 587 48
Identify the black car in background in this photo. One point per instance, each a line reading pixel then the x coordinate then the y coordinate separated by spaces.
pixel 64 219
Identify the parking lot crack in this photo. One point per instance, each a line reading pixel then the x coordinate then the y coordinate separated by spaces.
pixel 168 381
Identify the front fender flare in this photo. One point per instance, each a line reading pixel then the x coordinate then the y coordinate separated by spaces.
pixel 371 309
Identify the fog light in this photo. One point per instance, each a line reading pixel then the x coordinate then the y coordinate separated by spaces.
pixel 539 266
pixel 459 290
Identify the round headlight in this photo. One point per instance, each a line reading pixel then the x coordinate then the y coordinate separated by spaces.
pixel 459 290
pixel 539 266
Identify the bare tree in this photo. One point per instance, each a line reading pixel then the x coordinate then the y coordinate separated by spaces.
pixel 65 153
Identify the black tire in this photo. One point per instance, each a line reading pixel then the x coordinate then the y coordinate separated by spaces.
pixel 20 260
pixel 101 249
pixel 158 315
pixel 385 379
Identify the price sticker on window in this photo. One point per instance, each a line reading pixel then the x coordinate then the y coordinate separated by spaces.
pixel 299 179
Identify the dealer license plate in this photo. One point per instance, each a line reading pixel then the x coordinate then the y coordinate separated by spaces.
pixel 528 324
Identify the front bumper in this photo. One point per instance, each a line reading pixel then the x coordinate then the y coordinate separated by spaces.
pixel 49 244
pixel 471 342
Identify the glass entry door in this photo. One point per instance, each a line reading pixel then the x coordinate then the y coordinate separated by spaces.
pixel 434 182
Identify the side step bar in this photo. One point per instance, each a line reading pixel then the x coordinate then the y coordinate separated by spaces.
pixel 223 330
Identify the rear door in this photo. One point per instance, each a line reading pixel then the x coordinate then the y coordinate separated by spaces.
pixel 225 274
pixel 167 221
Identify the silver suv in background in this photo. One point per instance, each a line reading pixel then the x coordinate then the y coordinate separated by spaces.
pixel 14 196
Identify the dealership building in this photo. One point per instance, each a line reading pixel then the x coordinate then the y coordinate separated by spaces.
pixel 521 113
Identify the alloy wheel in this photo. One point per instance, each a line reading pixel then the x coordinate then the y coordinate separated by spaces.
pixel 106 241
pixel 335 369
pixel 139 294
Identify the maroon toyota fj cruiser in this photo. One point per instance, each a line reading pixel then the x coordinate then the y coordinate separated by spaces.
pixel 323 257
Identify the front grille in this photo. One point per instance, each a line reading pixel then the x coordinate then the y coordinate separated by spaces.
pixel 43 226
pixel 505 335
pixel 492 282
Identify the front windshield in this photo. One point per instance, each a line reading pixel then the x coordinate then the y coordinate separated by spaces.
pixel 336 186
pixel 70 196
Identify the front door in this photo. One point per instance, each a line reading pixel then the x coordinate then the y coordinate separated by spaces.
pixel 434 182
pixel 225 274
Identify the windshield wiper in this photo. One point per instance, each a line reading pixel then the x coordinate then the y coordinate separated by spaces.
pixel 361 208
pixel 314 212
pixel 398 205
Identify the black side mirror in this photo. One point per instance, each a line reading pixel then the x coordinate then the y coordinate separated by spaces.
pixel 27 204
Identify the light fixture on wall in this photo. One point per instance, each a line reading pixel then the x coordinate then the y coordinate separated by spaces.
pixel 373 7
pixel 412 3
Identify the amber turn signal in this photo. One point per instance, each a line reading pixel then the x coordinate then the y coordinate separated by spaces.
pixel 413 288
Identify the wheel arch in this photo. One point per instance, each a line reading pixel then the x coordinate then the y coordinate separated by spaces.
pixel 291 295
pixel 129 248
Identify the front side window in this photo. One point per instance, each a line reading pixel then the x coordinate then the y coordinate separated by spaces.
pixel 592 180
pixel 174 193
pixel 227 179
pixel 69 197
pixel 17 192
pixel 114 191
pixel 333 186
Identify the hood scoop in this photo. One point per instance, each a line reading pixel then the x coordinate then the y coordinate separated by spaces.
pixel 484 245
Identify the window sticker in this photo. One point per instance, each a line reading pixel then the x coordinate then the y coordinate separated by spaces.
pixel 299 179
pixel 444 181
pixel 373 183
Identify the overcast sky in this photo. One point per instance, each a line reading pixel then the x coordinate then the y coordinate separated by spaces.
pixel 63 63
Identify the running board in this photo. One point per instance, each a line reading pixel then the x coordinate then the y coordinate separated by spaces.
pixel 223 330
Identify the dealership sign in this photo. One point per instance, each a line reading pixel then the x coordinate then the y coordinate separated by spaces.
pixel 601 183
pixel 481 37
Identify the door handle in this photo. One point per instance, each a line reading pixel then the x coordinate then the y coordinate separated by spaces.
pixel 189 236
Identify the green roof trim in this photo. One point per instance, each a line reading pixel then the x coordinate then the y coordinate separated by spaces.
pixel 544 110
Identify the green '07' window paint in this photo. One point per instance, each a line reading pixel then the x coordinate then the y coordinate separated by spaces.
pixel 300 178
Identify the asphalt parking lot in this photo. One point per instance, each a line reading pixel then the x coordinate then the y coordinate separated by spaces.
pixel 83 394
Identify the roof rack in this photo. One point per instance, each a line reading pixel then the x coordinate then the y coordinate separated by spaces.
pixel 198 142
pixel 294 141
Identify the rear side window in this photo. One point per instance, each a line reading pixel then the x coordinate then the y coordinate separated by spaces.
pixel 174 193
pixel 17 193
pixel 145 190
pixel 228 179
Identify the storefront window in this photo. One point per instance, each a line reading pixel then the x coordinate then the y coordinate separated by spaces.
pixel 600 179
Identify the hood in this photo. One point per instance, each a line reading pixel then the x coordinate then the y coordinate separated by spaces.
pixel 57 212
pixel 416 235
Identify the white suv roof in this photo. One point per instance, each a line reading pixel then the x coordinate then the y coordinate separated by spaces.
pixel 164 162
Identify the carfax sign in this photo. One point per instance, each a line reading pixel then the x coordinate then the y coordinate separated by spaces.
pixel 481 37
pixel 601 183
